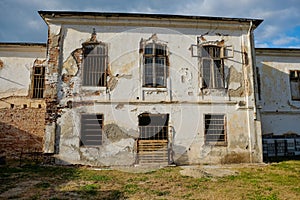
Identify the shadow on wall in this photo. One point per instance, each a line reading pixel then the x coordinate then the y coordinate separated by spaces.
pixel 14 141
pixel 278 105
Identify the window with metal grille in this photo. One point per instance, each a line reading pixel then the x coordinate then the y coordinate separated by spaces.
pixel 215 129
pixel 91 129
pixel 295 84
pixel 38 82
pixel 94 65
pixel 212 67
pixel 155 69
pixel 153 126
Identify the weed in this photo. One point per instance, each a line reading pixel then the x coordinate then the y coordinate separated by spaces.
pixel 101 178
pixel 160 193
pixel 131 188
pixel 89 189
pixel 262 197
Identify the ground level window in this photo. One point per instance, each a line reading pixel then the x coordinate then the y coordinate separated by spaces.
pixel 215 129
pixel 153 127
pixel 91 129
pixel 295 84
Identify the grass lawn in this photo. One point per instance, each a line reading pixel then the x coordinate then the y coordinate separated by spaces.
pixel 274 181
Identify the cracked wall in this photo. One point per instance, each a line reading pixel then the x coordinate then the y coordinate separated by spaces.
pixel 280 114
pixel 124 98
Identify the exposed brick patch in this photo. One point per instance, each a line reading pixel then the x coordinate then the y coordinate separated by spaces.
pixel 1 64
pixel 21 129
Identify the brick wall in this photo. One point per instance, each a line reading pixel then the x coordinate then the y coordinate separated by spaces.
pixel 21 129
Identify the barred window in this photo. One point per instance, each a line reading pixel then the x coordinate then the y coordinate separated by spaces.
pixel 212 67
pixel 38 82
pixel 153 126
pixel 215 129
pixel 94 65
pixel 295 84
pixel 91 129
pixel 155 69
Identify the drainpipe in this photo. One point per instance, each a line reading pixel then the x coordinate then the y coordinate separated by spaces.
pixel 247 94
pixel 253 105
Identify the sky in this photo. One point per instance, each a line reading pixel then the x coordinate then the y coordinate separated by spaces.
pixel 20 21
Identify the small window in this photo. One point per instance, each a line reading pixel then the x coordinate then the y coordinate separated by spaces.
pixel 155 68
pixel 212 67
pixel 295 84
pixel 215 129
pixel 94 65
pixel 38 82
pixel 91 129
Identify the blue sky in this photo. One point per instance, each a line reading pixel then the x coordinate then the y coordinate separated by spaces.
pixel 20 22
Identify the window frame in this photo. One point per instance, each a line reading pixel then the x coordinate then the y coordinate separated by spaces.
pixel 296 80
pixel 100 70
pixel 154 65
pixel 90 117
pixel 156 131
pixel 39 79
pixel 218 142
pixel 214 56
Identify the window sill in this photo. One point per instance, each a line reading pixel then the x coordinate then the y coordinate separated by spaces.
pixel 94 88
pixel 155 88
pixel 294 103
pixel 218 144
pixel 92 146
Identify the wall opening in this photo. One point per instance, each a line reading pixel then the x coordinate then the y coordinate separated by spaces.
pixel 152 144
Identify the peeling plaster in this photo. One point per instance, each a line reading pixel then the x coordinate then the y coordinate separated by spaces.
pixel 72 63
pixel 236 83
pixel 115 133
pixel 1 64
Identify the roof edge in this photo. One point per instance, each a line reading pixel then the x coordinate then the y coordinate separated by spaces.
pixel 23 44
pixel 42 13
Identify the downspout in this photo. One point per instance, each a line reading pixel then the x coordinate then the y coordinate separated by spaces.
pixel 247 93
pixel 252 82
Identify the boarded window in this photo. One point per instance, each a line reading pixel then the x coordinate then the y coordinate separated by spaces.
pixel 38 82
pixel 155 69
pixel 212 67
pixel 215 129
pixel 295 84
pixel 94 65
pixel 91 129
pixel 153 127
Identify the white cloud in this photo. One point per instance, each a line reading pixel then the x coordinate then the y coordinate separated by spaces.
pixel 279 16
pixel 284 40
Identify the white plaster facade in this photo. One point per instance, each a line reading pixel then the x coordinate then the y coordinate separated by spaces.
pixel 280 114
pixel 124 98
pixel 17 62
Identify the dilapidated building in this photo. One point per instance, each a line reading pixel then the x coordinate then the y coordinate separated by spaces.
pixel 279 100
pixel 127 89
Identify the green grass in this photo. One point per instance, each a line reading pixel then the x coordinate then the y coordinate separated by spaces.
pixel 271 182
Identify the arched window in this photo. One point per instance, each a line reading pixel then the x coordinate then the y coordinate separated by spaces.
pixel 94 65
pixel 155 68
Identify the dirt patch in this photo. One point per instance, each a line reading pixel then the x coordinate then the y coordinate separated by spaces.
pixel 19 189
pixel 208 171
